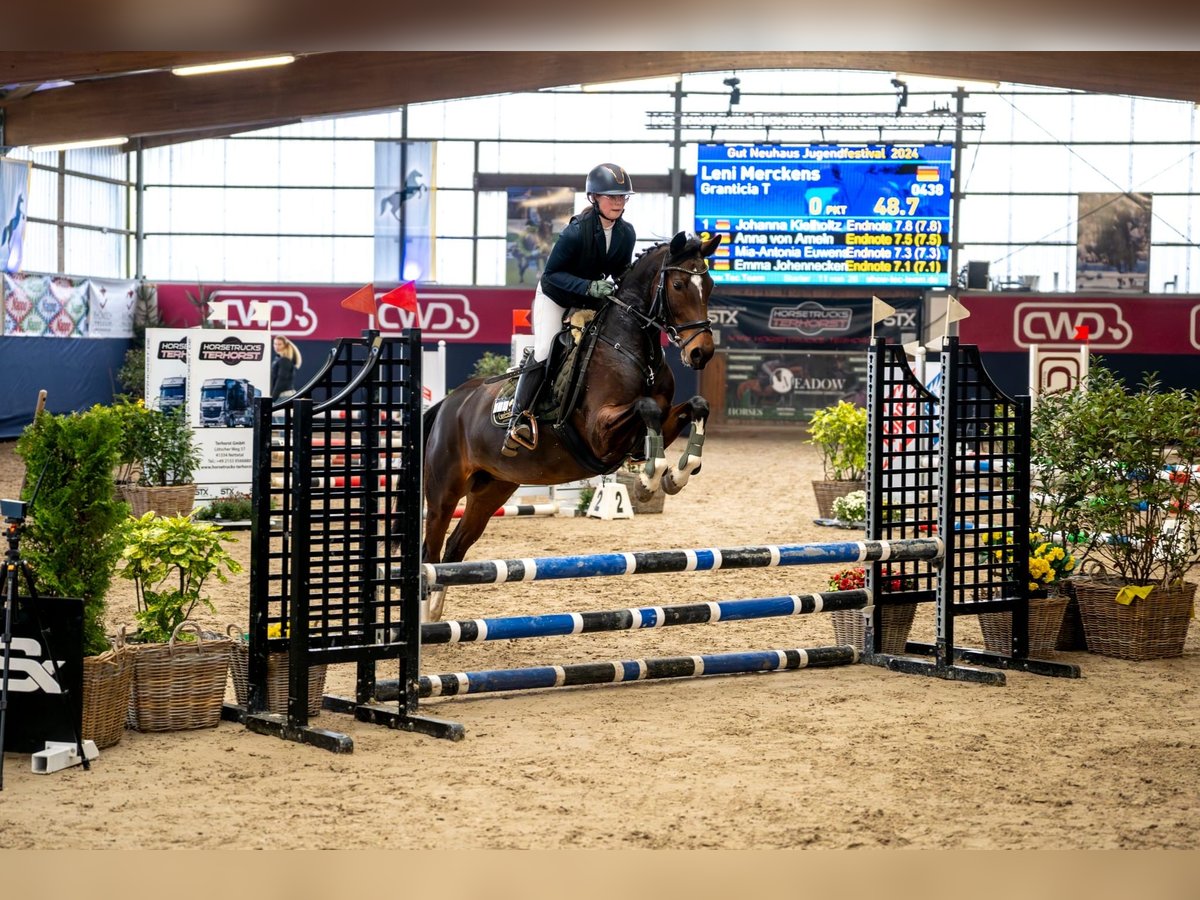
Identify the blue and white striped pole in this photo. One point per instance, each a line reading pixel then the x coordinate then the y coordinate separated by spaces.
pixel 648 562
pixel 536 677
pixel 513 627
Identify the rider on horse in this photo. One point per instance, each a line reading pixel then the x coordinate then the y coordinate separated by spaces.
pixel 597 243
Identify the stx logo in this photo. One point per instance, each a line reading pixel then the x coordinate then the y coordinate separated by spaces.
pixel 721 316
pixel 26 675
pixel 902 319
pixel 288 312
pixel 1058 323
pixel 446 317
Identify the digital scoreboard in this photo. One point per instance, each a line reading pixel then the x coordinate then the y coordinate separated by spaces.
pixel 821 214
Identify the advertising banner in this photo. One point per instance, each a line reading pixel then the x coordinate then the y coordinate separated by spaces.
pixel 466 315
pixel 785 323
pixel 1113 251
pixel 110 308
pixel 38 709
pixel 166 368
pixel 45 305
pixel 227 369
pixel 536 217
pixel 14 211
pixel 776 386
pixel 404 185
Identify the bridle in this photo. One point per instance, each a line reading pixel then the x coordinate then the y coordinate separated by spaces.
pixel 662 317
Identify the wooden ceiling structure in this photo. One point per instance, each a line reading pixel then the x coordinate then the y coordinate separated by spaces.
pixel 134 94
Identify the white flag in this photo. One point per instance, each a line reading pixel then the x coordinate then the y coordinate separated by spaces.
pixel 955 310
pixel 880 310
pixel 260 312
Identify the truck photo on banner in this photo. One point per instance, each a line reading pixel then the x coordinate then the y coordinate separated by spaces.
pixel 1113 251
pixel 226 371
pixel 404 186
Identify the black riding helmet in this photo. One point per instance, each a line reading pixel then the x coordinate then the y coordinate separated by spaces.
pixel 608 178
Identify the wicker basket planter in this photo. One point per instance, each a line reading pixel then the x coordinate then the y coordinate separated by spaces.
pixel 169 500
pixel 828 491
pixel 278 668
pixel 179 686
pixel 1070 635
pixel 107 682
pixel 1045 622
pixel 1154 628
pixel 850 627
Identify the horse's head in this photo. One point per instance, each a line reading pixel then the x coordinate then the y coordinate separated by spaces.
pixel 680 286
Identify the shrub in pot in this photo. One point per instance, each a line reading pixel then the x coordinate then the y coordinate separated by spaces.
pixel 158 458
pixel 73 540
pixel 1121 481
pixel 840 431
pixel 179 678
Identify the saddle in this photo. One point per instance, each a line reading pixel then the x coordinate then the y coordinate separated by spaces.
pixel 568 367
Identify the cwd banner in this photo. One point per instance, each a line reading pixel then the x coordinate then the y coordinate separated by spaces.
pixel 404 186
pixel 226 370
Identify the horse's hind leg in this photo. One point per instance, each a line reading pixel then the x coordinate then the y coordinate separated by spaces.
pixel 695 412
pixel 484 497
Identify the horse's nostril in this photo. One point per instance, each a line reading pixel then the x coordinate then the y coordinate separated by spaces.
pixel 697 357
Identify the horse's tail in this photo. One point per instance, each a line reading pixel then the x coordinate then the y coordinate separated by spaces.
pixel 427 422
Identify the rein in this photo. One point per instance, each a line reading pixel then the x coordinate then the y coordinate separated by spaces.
pixel 663 321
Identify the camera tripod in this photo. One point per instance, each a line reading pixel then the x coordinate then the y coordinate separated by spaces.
pixel 14 567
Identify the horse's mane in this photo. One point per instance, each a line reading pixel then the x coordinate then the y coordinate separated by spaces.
pixel 645 265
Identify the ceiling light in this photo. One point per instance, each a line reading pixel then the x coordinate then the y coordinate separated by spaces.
pixel 235 65
pixel 79 145
pixel 941 81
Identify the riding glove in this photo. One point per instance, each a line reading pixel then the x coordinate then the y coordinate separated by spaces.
pixel 600 289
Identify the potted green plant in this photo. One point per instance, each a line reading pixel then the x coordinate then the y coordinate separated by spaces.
pixel 72 542
pixel 232 509
pixel 850 510
pixel 1121 481
pixel 158 459
pixel 178 682
pixel 840 431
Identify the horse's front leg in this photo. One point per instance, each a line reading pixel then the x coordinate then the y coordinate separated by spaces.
pixel 650 478
pixel 695 413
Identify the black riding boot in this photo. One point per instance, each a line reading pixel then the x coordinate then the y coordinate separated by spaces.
pixel 521 428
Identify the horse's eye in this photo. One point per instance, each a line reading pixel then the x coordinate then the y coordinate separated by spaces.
pixel 678 285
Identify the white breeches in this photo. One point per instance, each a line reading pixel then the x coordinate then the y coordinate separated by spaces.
pixel 547 322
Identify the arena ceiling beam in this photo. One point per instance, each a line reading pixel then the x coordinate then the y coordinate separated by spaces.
pixel 133 93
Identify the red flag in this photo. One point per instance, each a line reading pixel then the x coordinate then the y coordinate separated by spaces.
pixel 362 300
pixel 1081 332
pixel 521 317
pixel 404 296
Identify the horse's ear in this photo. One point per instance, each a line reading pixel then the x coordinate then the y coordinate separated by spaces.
pixel 709 247
pixel 678 243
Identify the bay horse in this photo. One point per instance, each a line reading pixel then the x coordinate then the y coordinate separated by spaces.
pixel 624 406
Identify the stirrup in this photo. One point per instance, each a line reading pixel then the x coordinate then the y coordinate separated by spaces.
pixel 521 434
